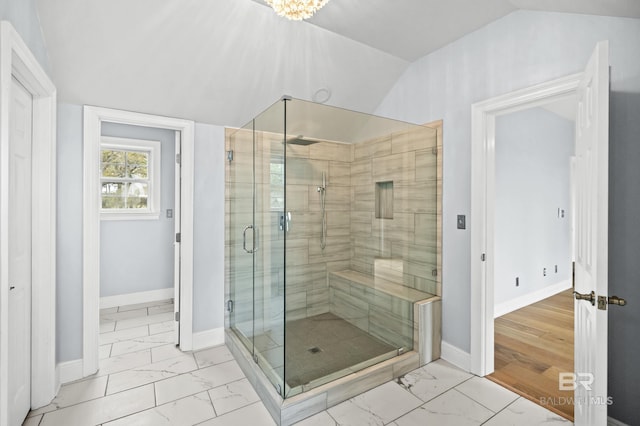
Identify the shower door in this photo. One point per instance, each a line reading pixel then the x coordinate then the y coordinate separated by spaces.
pixel 256 256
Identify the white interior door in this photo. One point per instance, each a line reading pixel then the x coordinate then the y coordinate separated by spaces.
pixel 592 171
pixel 20 118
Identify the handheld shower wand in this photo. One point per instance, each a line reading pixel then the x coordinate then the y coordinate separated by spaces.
pixel 323 193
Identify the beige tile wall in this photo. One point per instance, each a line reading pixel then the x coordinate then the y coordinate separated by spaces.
pixel 355 238
pixel 307 276
pixel 409 239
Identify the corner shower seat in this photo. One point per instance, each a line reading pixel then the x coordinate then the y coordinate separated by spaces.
pixel 379 284
pixel 403 316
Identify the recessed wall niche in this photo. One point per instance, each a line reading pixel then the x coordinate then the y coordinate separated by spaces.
pixel 384 200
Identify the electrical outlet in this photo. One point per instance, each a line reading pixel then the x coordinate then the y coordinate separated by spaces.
pixel 544 272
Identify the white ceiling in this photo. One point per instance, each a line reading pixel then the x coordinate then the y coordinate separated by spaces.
pixel 224 61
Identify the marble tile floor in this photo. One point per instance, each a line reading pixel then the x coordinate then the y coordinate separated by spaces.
pixel 144 380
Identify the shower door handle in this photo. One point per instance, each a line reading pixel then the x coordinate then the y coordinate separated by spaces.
pixel 244 239
pixel 285 221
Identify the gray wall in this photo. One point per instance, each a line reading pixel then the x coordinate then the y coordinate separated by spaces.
pixel 137 255
pixel 69 234
pixel 533 151
pixel 208 285
pixel 23 15
pixel 208 224
pixel 519 50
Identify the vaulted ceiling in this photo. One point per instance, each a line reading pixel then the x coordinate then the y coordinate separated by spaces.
pixel 224 61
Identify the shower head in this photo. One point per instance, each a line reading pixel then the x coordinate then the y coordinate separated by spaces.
pixel 301 140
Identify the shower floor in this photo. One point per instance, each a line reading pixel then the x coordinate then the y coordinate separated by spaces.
pixel 323 344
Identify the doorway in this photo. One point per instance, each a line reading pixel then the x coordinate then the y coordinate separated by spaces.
pixel 589 378
pixel 94 118
pixel 532 260
pixel 139 202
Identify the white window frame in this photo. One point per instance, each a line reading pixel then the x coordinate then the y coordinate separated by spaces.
pixel 153 148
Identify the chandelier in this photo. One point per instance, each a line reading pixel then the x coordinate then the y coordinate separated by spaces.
pixel 296 10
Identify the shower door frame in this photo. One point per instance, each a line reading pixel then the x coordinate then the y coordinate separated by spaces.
pixel 261 252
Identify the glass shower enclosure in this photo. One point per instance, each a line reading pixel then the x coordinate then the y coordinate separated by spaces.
pixel 330 239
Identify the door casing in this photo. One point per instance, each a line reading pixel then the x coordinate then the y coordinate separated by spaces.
pixel 483 206
pixel 93 118
pixel 17 61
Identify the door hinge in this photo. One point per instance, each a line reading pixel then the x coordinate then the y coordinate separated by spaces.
pixel 230 305
pixel 178 316
pixel 178 237
pixel 177 158
pixel 483 257
pixel 230 155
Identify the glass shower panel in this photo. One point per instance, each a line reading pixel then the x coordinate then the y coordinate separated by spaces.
pixel 270 222
pixel 360 249
pixel 240 233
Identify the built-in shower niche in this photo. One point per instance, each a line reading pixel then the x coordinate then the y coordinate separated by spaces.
pixel 331 254
pixel 384 200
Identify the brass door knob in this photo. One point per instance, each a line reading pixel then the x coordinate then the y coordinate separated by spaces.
pixel 591 297
pixel 615 300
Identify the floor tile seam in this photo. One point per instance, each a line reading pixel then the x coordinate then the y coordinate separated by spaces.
pixel 473 399
pixel 159 332
pixel 235 409
pixel 211 365
pixel 113 357
pixel 155 396
pixel 507 406
pixel 477 402
pixel 152 382
pixel 158 321
pixel 212 405
pixel 332 418
pixel 431 399
pixel 124 340
pixel 140 350
pixel 102 397
pixel 201 390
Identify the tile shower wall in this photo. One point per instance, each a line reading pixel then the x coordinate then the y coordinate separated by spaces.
pixel 402 249
pixel 307 263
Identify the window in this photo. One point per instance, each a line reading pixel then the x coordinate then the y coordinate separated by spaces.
pixel 129 178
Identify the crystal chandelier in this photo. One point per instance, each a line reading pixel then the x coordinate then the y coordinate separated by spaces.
pixel 296 10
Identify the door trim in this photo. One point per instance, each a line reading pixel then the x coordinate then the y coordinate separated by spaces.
pixel 17 60
pixel 483 117
pixel 93 118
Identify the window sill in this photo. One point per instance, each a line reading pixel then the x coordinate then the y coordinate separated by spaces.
pixel 129 216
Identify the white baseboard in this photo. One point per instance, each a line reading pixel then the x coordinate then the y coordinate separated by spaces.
pixel 613 422
pixel 70 371
pixel 134 298
pixel 526 300
pixel 208 338
pixel 456 356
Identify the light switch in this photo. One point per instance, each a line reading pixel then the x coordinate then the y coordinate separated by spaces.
pixel 462 221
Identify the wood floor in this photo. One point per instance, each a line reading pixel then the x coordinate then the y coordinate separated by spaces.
pixel 534 344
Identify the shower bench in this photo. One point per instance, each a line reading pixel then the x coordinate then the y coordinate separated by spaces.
pixel 403 316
